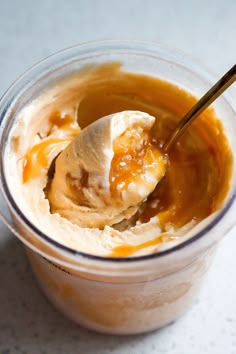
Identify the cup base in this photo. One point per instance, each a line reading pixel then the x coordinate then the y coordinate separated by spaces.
pixel 120 308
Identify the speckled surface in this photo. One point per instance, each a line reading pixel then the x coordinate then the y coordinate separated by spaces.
pixel 205 30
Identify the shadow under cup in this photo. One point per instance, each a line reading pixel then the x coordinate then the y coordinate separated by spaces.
pixel 125 295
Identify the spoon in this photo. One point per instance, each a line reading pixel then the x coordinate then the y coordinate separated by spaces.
pixel 210 96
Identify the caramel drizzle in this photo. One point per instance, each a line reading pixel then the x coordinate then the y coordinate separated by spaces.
pixel 38 157
pixel 133 156
pixel 127 250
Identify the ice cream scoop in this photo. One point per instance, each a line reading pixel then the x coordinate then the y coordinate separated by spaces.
pixel 107 171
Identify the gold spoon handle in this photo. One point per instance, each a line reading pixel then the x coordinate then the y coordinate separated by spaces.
pixel 211 95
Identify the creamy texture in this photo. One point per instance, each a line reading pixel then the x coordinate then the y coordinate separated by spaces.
pixel 107 171
pixel 195 185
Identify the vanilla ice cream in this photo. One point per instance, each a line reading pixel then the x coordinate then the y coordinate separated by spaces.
pixel 98 200
pixel 107 171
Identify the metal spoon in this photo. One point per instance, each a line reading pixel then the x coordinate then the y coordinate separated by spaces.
pixel 227 80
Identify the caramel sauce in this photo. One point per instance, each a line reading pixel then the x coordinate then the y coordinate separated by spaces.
pixel 133 156
pixel 65 122
pixel 38 157
pixel 200 163
pixel 128 250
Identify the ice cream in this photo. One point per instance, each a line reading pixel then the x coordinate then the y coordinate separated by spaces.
pixel 55 122
pixel 107 171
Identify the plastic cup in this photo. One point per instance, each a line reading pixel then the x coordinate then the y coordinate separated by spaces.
pixel 125 295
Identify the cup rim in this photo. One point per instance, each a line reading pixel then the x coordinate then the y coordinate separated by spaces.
pixel 131 45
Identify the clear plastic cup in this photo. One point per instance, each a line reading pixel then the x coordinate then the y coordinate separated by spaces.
pixel 123 295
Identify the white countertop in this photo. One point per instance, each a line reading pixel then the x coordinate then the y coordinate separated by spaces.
pixel 29 31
